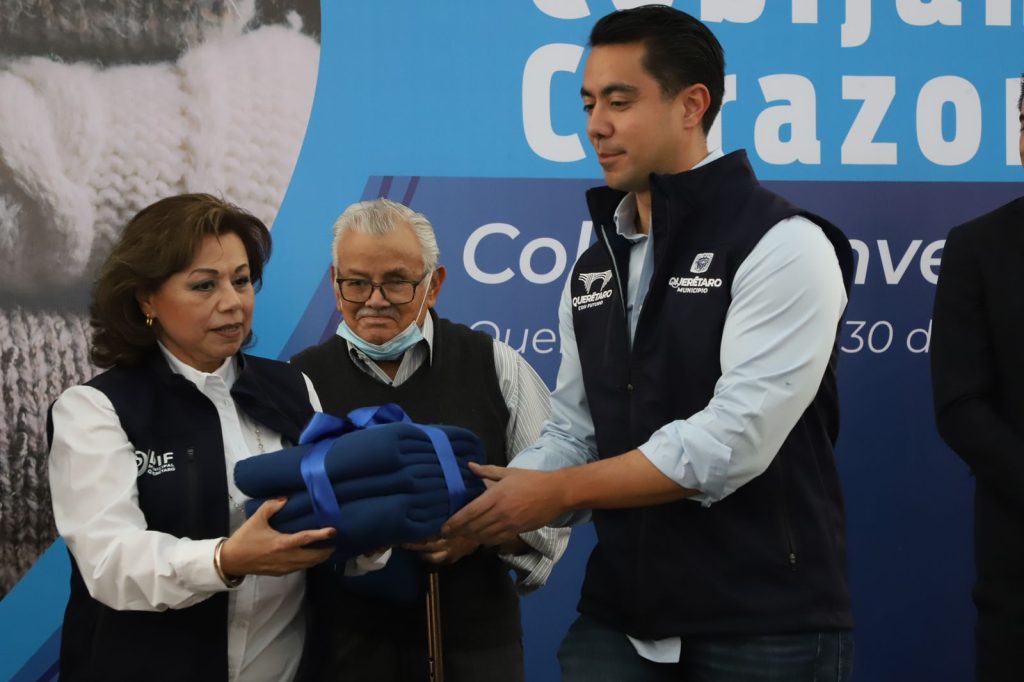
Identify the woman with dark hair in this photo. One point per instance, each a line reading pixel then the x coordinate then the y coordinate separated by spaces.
pixel 169 580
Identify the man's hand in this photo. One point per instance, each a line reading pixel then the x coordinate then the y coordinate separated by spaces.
pixel 441 550
pixel 516 500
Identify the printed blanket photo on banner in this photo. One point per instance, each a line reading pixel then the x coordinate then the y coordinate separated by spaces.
pixel 376 477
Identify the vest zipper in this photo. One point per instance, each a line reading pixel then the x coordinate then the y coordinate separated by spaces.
pixel 191 494
pixel 787 529
pixel 789 540
pixel 603 231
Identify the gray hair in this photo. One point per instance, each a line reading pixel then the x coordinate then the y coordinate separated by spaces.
pixel 383 216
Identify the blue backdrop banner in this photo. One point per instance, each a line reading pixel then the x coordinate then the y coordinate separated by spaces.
pixel 894 119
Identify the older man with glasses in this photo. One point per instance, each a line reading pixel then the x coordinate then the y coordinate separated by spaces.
pixel 391 347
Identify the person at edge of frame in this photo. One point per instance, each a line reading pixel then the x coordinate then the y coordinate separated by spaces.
pixel 976 367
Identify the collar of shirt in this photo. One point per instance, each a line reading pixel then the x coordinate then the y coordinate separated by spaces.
pixel 412 360
pixel 226 373
pixel 625 212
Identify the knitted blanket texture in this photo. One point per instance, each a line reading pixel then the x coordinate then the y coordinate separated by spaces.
pixel 41 354
pixel 213 106
pixel 83 149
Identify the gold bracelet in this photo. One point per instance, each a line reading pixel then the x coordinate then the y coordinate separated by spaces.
pixel 228 582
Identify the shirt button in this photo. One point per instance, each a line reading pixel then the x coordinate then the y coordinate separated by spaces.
pixel 629 387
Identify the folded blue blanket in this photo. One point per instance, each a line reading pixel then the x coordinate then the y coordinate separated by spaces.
pixel 371 523
pixel 375 451
pixel 415 479
pixel 386 480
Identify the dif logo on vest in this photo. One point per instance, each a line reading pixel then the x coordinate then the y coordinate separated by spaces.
pixel 153 463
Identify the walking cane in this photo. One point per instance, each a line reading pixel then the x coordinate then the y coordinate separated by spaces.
pixel 435 658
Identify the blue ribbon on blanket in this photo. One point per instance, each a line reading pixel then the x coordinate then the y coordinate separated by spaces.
pixel 324 429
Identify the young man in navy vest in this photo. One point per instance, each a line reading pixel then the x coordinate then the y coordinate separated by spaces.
pixel 977 370
pixel 392 348
pixel 696 407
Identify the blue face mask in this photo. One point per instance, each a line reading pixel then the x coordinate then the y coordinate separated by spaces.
pixel 393 348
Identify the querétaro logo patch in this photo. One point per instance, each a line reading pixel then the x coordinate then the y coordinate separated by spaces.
pixel 701 263
pixel 593 298
pixel 590 278
pixel 694 285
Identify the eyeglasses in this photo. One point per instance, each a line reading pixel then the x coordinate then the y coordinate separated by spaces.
pixel 395 291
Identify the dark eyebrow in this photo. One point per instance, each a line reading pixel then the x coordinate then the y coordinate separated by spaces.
pixel 612 89
pixel 214 271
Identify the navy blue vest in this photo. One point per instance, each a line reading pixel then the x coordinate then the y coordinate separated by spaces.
pixel 771 557
pixel 162 412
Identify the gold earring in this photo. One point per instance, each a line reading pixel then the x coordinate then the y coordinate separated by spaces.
pixel 149 321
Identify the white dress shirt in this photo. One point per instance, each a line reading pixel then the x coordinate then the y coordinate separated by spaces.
pixel 526 397
pixel 126 566
pixel 780 328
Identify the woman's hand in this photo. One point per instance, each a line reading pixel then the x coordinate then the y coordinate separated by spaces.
pixel 258 549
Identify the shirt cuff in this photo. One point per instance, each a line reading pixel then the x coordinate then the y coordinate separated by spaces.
pixel 692 458
pixel 367 563
pixel 532 458
pixel 533 568
pixel 192 561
